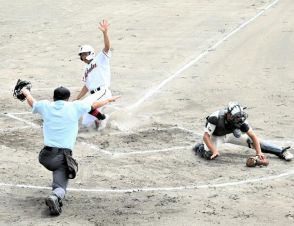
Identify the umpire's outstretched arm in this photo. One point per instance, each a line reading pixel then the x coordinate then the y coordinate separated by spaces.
pixel 96 104
pixel 29 97
pixel 101 103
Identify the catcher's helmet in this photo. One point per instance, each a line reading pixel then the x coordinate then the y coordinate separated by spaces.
pixel 237 114
pixel 87 49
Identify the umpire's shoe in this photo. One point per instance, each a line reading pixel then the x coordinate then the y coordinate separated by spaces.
pixel 52 201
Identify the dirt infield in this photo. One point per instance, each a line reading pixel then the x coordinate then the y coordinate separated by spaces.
pixel 173 62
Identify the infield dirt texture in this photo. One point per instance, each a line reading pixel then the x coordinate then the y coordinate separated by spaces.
pixel 174 62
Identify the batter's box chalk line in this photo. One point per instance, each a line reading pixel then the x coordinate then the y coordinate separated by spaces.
pixel 94 147
pixel 121 154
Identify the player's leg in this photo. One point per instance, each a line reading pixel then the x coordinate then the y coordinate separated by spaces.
pixel 241 140
pixel 88 120
pixel 96 115
pixel 59 185
pixel 103 122
pixel 266 146
pixel 203 151
pixel 54 161
pixel 60 181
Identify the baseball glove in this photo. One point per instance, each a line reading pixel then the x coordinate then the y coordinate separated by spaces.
pixel 19 86
pixel 256 161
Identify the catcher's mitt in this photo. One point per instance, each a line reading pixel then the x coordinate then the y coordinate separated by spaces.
pixel 19 86
pixel 256 161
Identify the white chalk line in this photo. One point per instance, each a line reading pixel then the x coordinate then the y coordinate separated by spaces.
pixel 120 154
pixel 203 54
pixel 116 154
pixel 152 151
pixel 14 129
pixel 18 113
pixel 144 129
pixel 23 120
pixel 152 189
pixel 94 147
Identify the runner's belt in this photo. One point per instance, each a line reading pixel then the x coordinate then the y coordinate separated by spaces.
pixel 95 90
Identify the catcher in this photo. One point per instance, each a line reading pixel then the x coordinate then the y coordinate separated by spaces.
pixel 60 128
pixel 229 125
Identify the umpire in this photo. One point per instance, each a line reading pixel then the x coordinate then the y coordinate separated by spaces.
pixel 60 129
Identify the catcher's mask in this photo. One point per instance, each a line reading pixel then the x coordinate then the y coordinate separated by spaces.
pixel 237 115
pixel 87 49
pixel 61 93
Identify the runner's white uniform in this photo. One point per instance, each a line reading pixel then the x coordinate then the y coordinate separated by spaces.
pixel 97 79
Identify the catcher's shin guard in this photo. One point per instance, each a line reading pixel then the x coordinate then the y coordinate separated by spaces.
pixel 97 114
pixel 199 150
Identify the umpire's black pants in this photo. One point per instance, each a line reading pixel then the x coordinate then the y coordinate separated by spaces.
pixel 53 159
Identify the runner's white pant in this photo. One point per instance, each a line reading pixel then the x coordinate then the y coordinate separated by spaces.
pixel 102 94
pixel 229 138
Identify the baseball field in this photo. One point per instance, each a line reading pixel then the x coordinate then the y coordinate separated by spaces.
pixel 173 62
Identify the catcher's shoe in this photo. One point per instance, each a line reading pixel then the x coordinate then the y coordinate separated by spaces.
pixel 54 205
pixel 199 150
pixel 286 154
pixel 103 123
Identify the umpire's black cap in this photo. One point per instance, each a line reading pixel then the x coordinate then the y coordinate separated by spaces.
pixel 61 93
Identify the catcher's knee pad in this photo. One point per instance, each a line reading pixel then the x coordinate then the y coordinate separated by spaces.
pixel 97 114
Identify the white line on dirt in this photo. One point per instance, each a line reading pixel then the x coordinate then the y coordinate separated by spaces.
pixel 23 120
pixel 151 189
pixel 96 148
pixel 14 129
pixel 20 113
pixel 143 129
pixel 92 146
pixel 203 54
pixel 118 154
pixel 151 151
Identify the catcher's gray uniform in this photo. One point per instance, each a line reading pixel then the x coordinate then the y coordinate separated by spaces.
pixel 221 131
